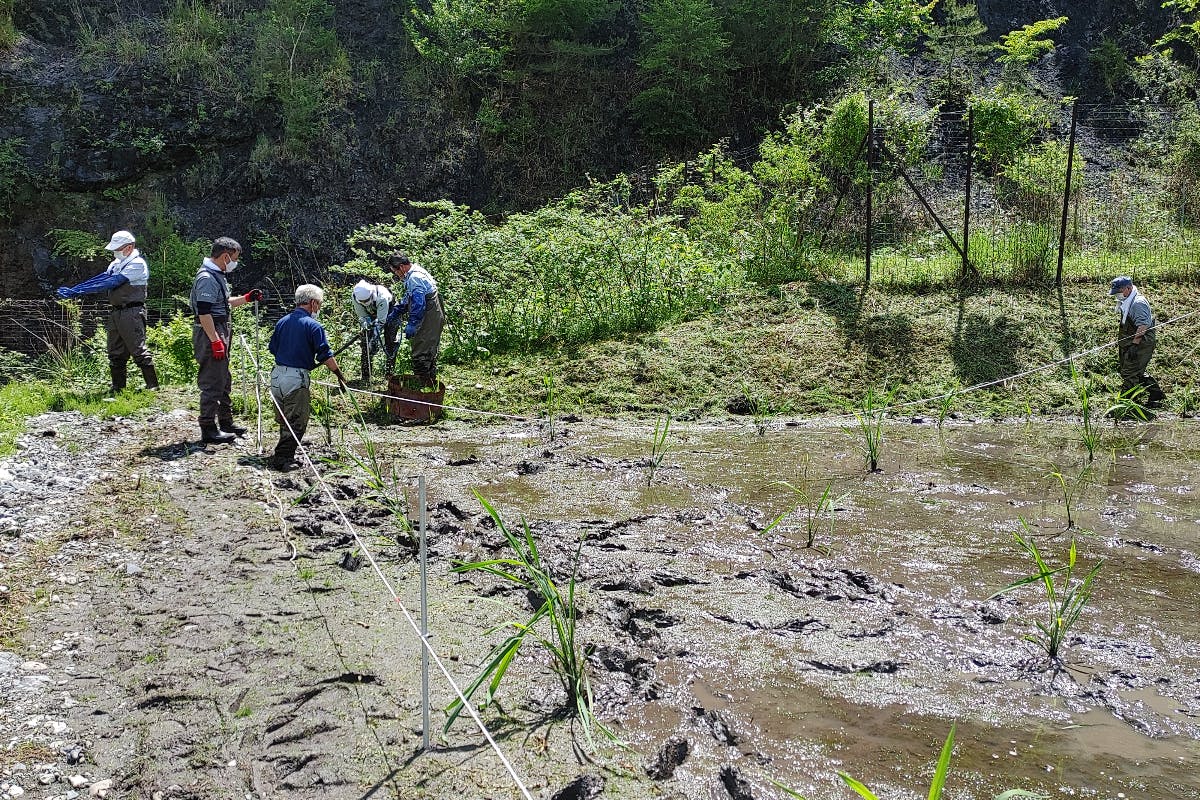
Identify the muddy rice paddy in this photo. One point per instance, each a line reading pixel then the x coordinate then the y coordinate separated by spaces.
pixel 219 633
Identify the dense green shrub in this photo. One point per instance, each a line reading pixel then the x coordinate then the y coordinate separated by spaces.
pixel 13 173
pixel 580 268
pixel 1183 165
pixel 1033 185
pixel 171 343
pixel 1005 124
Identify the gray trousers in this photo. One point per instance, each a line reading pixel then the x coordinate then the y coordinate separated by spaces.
pixel 126 329
pixel 290 389
pixel 426 340
pixel 213 378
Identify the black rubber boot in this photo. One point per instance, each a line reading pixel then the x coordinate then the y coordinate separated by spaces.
pixel 210 434
pixel 151 377
pixel 120 375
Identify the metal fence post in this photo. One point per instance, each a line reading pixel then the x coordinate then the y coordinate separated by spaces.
pixel 870 181
pixel 966 244
pixel 1062 227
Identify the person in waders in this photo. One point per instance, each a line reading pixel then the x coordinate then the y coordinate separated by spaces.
pixel 125 280
pixel 425 316
pixel 1137 341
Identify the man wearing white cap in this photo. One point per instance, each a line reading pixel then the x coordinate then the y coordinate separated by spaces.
pixel 375 307
pixel 125 281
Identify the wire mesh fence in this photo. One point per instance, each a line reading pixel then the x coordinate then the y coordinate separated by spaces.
pixel 1129 208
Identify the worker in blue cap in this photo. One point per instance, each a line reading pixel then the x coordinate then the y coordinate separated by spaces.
pixel 1136 340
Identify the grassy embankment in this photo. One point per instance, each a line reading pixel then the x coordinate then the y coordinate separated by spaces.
pixel 810 348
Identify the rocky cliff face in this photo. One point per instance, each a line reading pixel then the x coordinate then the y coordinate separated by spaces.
pixel 104 136
pixel 137 114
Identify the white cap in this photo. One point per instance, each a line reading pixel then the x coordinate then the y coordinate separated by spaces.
pixel 119 240
pixel 363 291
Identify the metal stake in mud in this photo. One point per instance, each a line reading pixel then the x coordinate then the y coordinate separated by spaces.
pixel 424 616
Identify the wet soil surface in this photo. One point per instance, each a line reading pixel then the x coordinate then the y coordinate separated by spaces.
pixel 200 627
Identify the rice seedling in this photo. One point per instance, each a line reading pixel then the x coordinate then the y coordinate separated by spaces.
pixel 1070 488
pixel 870 415
pixel 658 447
pixel 817 507
pixel 1066 594
pixel 548 382
pixel 936 786
pixel 946 403
pixel 1088 435
pixel 1128 405
pixel 559 612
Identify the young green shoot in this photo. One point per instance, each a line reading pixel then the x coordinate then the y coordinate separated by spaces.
pixel 817 507
pixel 1128 405
pixel 936 786
pixel 1088 435
pixel 548 382
pixel 946 403
pixel 558 612
pixel 870 415
pixel 1070 488
pixel 1064 592
pixel 658 446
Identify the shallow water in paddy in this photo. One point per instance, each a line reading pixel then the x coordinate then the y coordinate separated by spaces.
pixel 793 663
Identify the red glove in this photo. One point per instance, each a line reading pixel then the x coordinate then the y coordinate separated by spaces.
pixel 254 295
pixel 218 350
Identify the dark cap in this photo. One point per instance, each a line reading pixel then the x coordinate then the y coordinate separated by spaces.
pixel 1120 283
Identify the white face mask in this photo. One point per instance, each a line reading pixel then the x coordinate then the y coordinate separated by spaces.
pixel 231 266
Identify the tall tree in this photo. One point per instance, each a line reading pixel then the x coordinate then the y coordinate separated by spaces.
pixel 957 45
pixel 684 60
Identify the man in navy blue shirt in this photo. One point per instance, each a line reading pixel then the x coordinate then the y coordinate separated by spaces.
pixel 299 345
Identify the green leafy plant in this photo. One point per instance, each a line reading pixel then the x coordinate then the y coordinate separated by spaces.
pixel 1065 593
pixel 817 508
pixel 548 383
pixel 558 611
pixel 1021 47
pixel 940 773
pixel 870 415
pixel 1088 434
pixel 1129 405
pixel 658 446
pixel 1070 488
pixel 946 402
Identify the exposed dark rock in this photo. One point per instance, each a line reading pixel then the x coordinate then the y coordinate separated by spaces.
pixel 673 753
pixel 585 787
pixel 737 786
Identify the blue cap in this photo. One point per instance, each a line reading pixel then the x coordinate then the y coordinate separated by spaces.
pixel 1120 283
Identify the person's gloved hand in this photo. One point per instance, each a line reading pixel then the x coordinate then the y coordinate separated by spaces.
pixel 66 292
pixel 218 350
pixel 341 379
pixel 254 296
pixel 367 324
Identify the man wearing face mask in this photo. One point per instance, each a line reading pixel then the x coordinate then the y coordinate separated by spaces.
pixel 125 281
pixel 299 344
pixel 211 335
pixel 1137 340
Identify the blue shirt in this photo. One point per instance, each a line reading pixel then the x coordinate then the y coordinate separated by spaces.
pixel 418 286
pixel 299 341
